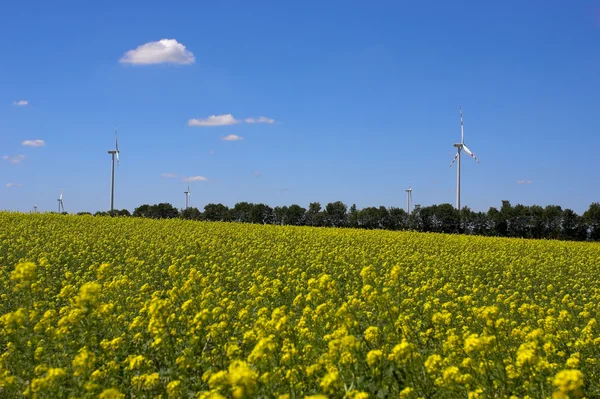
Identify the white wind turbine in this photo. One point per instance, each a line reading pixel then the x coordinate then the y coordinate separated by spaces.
pixel 112 180
pixel 60 202
pixel 408 199
pixel 187 196
pixel 459 147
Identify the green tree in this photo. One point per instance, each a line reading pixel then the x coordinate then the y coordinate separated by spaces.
pixel 572 226
pixel 314 216
pixel 591 218
pixel 142 211
pixel 398 219
pixel 296 215
pixel 215 212
pixel 241 212
pixel 353 216
pixel 191 213
pixel 335 214
pixel 281 215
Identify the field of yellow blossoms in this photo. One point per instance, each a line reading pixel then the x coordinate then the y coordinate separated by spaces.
pixel 96 307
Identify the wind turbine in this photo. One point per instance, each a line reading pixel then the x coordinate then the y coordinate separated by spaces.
pixel 408 199
pixel 112 170
pixel 60 202
pixel 459 147
pixel 187 196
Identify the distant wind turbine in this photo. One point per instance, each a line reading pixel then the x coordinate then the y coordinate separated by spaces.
pixel 112 170
pixel 60 202
pixel 187 196
pixel 408 199
pixel 459 147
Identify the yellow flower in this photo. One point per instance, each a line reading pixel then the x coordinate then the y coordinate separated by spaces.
pixel 331 381
pixel 374 357
pixel 568 384
pixel 371 334
pixel 174 389
pixel 83 362
pixel 111 393
pixel 433 363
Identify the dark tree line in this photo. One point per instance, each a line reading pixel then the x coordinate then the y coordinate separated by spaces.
pixel 550 222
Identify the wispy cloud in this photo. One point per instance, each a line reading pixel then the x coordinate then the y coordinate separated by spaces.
pixel 33 143
pixel 211 152
pixel 257 173
pixel 262 119
pixel 21 103
pixel 165 51
pixel 195 178
pixel 14 159
pixel 168 175
pixel 232 137
pixel 214 120
pixel 524 182
pixel 11 185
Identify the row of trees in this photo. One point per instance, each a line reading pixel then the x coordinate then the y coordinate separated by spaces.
pixel 551 222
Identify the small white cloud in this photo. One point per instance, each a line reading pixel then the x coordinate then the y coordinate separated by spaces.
pixel 160 52
pixel 10 185
pixel 257 173
pixel 168 175
pixel 14 159
pixel 232 137
pixel 194 178
pixel 21 103
pixel 524 182
pixel 214 120
pixel 262 119
pixel 33 143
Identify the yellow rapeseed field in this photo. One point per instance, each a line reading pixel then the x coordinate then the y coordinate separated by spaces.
pixel 133 308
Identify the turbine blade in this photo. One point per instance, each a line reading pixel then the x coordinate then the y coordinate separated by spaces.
pixel 462 129
pixel 454 160
pixel 470 153
pixel 117 147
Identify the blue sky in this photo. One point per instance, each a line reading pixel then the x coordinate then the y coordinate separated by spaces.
pixel 363 97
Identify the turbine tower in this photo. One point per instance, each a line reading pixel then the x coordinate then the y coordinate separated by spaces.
pixel 408 199
pixel 459 147
pixel 60 202
pixel 112 172
pixel 187 196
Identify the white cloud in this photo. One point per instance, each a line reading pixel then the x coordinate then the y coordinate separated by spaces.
pixel 524 182
pixel 33 143
pixel 168 175
pixel 162 51
pixel 21 103
pixel 194 178
pixel 262 119
pixel 14 159
pixel 10 185
pixel 214 120
pixel 232 137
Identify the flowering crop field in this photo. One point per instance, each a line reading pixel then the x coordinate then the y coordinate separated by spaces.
pixel 133 308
